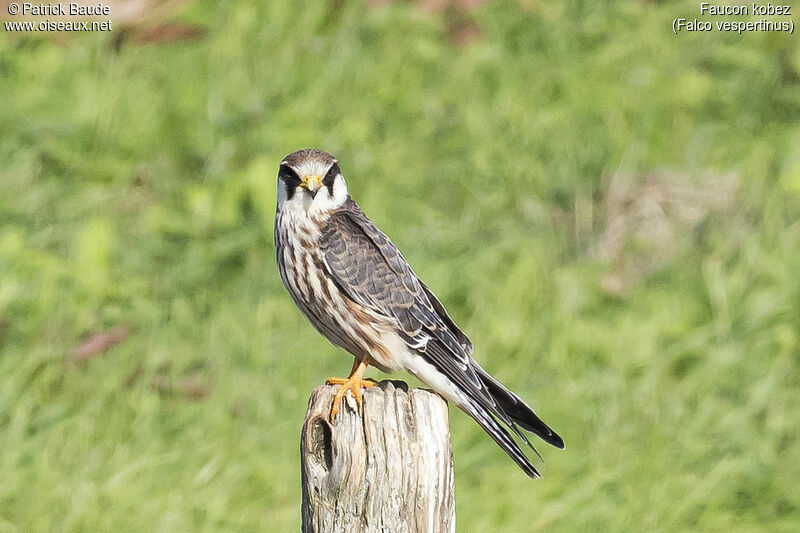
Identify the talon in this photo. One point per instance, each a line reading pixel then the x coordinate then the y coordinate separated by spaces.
pixel 354 383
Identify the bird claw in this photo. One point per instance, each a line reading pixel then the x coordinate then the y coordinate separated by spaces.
pixel 353 383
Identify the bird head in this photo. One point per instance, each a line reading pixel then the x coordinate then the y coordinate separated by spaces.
pixel 310 180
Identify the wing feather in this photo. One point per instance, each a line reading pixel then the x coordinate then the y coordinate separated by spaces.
pixel 370 270
pixel 451 325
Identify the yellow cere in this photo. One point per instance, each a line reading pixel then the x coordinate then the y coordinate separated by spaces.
pixel 312 181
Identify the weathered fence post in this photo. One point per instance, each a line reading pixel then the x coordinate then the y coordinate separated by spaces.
pixel 388 468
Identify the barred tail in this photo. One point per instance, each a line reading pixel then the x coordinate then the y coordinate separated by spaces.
pixel 518 411
pixel 483 417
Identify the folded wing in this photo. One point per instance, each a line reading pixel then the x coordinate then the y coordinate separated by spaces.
pixel 370 270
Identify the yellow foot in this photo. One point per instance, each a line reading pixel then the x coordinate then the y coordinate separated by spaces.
pixel 355 383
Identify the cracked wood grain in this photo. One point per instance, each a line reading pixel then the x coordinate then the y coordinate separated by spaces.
pixel 388 468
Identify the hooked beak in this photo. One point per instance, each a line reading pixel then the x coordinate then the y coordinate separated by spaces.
pixel 311 183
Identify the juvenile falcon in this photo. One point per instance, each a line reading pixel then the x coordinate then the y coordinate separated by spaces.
pixel 357 289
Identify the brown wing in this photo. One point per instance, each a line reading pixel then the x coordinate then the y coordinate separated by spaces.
pixel 370 270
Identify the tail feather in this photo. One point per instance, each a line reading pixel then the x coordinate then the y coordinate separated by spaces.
pixel 500 435
pixel 498 410
pixel 517 410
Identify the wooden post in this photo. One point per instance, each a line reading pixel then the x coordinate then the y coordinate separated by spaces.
pixel 389 468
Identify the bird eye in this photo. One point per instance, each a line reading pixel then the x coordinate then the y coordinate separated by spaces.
pixel 288 175
pixel 331 175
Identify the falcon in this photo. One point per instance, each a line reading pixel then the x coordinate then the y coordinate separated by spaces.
pixel 358 290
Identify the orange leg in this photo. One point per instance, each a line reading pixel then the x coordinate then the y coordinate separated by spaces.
pixel 355 383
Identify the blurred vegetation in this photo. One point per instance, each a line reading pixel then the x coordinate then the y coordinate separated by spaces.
pixel 609 210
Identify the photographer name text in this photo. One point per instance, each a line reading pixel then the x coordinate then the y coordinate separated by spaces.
pixel 60 11
pixel 72 9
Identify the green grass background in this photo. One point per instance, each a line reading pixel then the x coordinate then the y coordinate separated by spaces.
pixel 137 188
